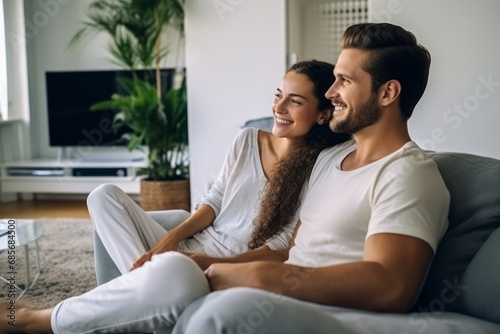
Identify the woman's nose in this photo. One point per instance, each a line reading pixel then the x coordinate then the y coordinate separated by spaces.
pixel 280 106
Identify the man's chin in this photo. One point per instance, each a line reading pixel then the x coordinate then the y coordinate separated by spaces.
pixel 339 128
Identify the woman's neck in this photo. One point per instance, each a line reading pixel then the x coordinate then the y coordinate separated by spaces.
pixel 272 149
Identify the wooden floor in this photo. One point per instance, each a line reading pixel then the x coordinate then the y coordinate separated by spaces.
pixel 44 209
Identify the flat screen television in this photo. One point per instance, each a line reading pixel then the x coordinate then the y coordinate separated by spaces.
pixel 69 97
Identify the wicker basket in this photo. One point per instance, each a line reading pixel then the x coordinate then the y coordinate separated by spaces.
pixel 164 195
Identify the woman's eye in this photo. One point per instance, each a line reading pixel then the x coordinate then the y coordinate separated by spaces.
pixel 296 102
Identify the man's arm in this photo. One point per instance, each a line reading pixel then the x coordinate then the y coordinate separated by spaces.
pixel 263 253
pixel 259 254
pixel 386 280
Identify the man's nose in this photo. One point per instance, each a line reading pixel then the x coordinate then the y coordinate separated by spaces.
pixel 332 92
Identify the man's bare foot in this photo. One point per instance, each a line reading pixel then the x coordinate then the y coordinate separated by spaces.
pixel 17 317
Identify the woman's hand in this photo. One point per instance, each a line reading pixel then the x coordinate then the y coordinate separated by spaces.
pixel 166 244
pixel 199 220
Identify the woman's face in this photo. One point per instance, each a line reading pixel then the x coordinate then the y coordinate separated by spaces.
pixel 295 108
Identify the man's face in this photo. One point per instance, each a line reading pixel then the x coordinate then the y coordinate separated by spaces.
pixel 356 106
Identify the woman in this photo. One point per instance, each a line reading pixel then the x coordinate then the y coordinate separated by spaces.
pixel 221 225
pixel 153 295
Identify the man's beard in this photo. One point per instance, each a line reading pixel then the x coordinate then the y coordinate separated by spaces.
pixel 359 117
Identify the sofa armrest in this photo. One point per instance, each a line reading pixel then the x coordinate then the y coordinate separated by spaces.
pixel 169 219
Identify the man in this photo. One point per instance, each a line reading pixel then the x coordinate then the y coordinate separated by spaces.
pixel 374 213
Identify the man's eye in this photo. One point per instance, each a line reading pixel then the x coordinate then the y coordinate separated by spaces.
pixel 277 95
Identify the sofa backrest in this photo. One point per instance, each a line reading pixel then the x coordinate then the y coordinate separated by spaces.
pixel 263 123
pixel 465 272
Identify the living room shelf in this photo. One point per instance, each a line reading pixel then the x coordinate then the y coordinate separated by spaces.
pixel 68 176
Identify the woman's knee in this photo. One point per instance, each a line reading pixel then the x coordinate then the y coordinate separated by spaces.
pixel 102 193
pixel 171 278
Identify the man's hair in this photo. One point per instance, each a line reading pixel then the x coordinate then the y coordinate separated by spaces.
pixel 394 54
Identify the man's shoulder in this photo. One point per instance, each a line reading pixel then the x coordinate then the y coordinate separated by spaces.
pixel 412 167
pixel 411 155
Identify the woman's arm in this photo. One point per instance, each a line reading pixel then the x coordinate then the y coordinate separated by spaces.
pixel 199 220
pixel 208 209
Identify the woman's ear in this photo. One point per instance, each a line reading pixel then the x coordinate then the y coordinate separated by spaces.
pixel 325 116
pixel 390 93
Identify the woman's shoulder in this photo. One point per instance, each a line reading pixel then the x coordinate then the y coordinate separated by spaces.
pixel 248 132
pixel 246 137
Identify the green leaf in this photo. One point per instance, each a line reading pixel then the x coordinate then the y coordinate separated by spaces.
pixel 104 105
pixel 127 84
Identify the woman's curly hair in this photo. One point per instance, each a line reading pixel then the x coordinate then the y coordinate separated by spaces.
pixel 280 198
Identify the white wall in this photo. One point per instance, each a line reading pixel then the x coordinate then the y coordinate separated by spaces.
pixel 235 56
pixel 50 25
pixel 460 109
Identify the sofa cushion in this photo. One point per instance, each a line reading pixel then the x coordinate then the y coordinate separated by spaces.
pixel 481 298
pixel 474 185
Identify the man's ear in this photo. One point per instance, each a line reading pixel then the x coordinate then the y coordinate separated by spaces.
pixel 325 116
pixel 390 92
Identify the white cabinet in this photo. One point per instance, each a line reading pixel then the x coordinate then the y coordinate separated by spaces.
pixel 75 177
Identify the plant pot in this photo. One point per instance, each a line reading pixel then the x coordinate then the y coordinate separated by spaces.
pixel 164 195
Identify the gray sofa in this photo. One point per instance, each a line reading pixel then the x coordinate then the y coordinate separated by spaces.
pixel 461 293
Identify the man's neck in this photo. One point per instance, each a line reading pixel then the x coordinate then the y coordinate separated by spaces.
pixel 374 144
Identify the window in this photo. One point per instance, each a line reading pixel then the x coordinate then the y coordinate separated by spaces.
pixel 315 27
pixel 4 103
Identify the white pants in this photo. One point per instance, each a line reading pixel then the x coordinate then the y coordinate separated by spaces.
pixel 148 298
pixel 125 229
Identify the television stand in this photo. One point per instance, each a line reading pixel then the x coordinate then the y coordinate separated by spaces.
pixel 115 155
pixel 69 177
pixel 111 160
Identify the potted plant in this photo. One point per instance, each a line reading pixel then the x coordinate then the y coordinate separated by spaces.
pixel 157 119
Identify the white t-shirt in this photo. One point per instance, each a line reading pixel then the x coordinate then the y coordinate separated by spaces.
pixel 235 198
pixel 402 193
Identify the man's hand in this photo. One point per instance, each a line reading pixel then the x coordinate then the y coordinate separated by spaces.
pixel 203 261
pixel 223 276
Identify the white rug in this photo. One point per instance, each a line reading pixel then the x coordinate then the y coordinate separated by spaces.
pixel 66 260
